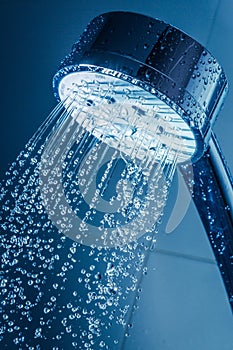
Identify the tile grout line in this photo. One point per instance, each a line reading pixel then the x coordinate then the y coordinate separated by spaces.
pixel 185 256
pixel 213 23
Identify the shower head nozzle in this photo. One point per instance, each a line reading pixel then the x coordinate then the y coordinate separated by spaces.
pixel 127 117
pixel 162 87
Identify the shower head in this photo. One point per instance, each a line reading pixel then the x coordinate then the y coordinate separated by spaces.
pixel 163 87
pixel 150 94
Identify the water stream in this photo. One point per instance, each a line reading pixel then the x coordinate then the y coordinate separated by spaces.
pixel 78 220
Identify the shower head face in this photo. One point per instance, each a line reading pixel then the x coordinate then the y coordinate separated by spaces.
pixel 127 117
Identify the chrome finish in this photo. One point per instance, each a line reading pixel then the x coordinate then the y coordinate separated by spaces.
pixel 160 58
pixel 222 174
pixel 212 191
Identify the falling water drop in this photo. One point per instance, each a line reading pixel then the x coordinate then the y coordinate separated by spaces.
pixel 79 212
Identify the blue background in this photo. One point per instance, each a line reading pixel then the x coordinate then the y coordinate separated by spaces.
pixel 183 304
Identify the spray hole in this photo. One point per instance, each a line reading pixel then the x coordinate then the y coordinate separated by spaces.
pixel 110 99
pixel 161 129
pixel 90 102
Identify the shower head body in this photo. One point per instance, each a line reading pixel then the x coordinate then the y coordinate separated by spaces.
pixel 158 61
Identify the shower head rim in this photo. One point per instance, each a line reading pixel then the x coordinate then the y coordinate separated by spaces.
pixel 97 45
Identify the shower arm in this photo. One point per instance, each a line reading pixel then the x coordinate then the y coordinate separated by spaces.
pixel 213 197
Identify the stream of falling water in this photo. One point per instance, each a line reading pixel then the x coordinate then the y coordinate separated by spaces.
pixel 78 219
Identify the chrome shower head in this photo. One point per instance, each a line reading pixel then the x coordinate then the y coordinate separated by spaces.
pixel 165 87
pixel 149 90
